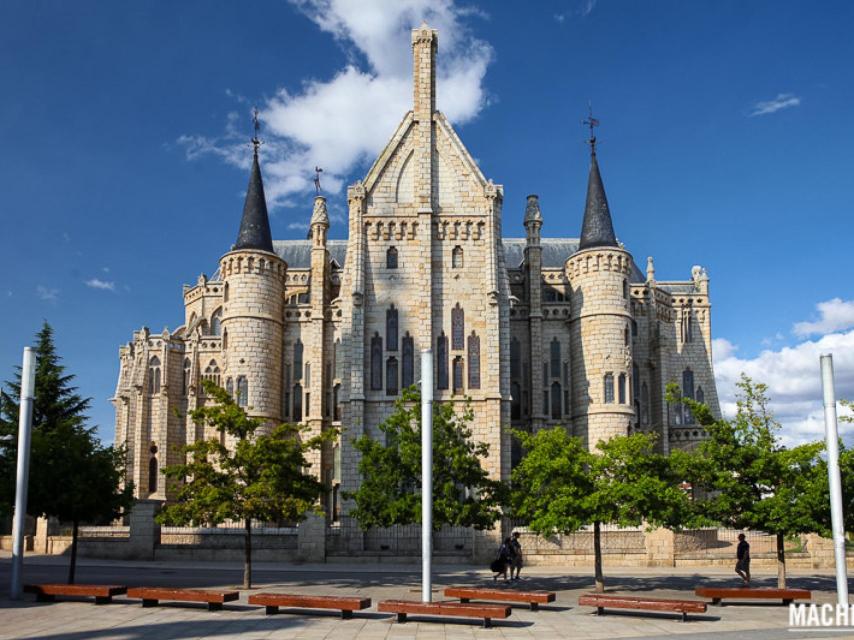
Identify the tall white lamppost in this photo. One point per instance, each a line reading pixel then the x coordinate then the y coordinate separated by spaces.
pixel 426 474
pixel 25 423
pixel 832 435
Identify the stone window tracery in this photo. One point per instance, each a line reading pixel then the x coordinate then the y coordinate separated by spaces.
pixel 391 376
pixel 554 353
pixel 458 328
pixel 298 351
pixel 458 374
pixel 297 402
pixel 376 362
pixel 216 323
pixel 408 364
pixel 474 361
pixel 621 388
pixel 391 324
pixel 556 397
pixel 242 391
pixel 391 258
pixel 457 257
pixel 212 372
pixel 609 388
pixel 229 387
pixel 154 375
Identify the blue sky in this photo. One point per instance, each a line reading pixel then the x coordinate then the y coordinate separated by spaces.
pixel 725 141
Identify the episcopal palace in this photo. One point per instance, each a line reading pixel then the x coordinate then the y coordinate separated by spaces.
pixel 532 331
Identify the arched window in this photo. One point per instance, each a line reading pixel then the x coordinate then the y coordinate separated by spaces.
pixel 376 362
pixel 154 375
pixel 474 361
pixel 225 292
pixel 408 361
pixel 391 329
pixel 687 327
pixel 297 402
pixel 298 360
pixel 229 387
pixel 391 258
pixel 458 374
pixel 609 387
pixel 700 397
pixel 457 258
pixel 634 327
pixel 152 474
pixel 556 397
pixel 286 394
pixel 546 401
pixel 644 404
pixel 635 381
pixel 224 340
pixel 458 328
pixel 626 289
pixel 216 322
pixel 515 401
pixel 621 388
pixel 391 376
pixel 307 377
pixel 637 413
pixel 566 387
pixel 212 372
pixel 515 359
pixel 442 361
pixel 626 336
pixel 185 379
pixel 554 357
pixel 242 391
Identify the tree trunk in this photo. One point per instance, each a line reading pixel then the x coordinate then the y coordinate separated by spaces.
pixel 247 560
pixel 72 566
pixel 781 561
pixel 597 558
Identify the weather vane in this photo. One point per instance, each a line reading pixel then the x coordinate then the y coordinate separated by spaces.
pixel 256 122
pixel 591 122
pixel 317 172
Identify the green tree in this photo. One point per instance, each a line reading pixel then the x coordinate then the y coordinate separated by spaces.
pixel 243 476
pixel 558 486
pixel 390 491
pixel 749 480
pixel 72 477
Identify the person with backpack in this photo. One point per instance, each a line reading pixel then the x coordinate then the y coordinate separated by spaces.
pixel 502 561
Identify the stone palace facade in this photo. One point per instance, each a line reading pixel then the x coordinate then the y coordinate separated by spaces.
pixel 535 331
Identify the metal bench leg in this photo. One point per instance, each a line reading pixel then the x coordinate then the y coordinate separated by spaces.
pixel 103 599
pixel 600 611
pixel 214 606
pixel 684 617
pixel 271 610
pixel 464 600
pixel 346 615
pixel 716 602
pixel 401 617
pixel 149 603
pixel 43 597
pixel 786 602
pixel 487 623
pixel 535 606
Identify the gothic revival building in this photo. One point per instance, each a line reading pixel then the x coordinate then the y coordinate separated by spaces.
pixel 535 331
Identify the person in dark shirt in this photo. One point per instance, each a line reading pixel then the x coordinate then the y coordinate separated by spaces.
pixel 516 560
pixel 742 566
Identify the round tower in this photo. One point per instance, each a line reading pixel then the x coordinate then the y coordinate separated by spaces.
pixel 600 322
pixel 253 278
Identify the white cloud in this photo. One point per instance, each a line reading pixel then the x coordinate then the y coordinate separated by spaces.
pixel 303 226
pixel 104 285
pixel 587 7
pixel 47 294
pixel 343 121
pixel 794 381
pixel 560 18
pixel 834 315
pixel 782 101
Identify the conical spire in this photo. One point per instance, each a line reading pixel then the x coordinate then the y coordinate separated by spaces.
pixel 597 230
pixel 320 215
pixel 255 225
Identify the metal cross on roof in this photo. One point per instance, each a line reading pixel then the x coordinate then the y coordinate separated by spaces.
pixel 317 172
pixel 591 122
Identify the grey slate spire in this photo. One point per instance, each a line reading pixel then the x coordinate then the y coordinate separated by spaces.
pixel 255 224
pixel 597 230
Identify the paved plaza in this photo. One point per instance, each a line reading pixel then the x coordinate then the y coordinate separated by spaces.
pixel 127 620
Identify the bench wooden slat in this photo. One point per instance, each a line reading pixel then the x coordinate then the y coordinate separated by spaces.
pixel 346 604
pixel 601 601
pixel 752 593
pixel 451 609
pixel 151 596
pixel 103 593
pixel 533 598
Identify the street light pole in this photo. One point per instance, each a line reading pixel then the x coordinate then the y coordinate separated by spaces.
pixel 836 519
pixel 426 474
pixel 25 423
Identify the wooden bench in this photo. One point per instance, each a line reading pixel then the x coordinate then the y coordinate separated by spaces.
pixel 103 593
pixel 532 598
pixel 746 593
pixel 601 602
pixel 151 596
pixel 487 612
pixel 346 604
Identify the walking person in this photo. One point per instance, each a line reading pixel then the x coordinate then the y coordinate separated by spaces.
pixel 742 553
pixel 516 559
pixel 500 564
